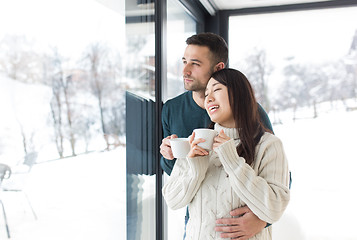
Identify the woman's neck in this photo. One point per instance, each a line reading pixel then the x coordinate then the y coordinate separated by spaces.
pixel 230 132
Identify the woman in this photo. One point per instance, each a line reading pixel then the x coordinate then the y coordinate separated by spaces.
pixel 247 166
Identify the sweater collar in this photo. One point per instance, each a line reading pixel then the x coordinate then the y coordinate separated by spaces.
pixel 230 132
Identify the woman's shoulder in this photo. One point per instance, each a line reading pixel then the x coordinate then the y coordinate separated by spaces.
pixel 269 138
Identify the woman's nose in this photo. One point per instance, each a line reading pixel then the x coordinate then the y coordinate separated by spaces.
pixel 209 98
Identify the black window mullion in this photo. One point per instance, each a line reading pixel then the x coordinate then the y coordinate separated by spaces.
pixel 160 77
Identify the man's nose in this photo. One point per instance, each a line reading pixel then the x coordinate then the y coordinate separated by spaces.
pixel 186 70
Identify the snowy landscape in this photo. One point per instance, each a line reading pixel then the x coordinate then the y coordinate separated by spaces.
pixel 84 197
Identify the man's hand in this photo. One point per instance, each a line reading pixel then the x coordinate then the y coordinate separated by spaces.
pixel 244 226
pixel 165 147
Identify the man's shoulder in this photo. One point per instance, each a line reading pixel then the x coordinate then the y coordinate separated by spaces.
pixel 178 100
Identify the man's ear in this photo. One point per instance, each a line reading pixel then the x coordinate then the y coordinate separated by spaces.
pixel 219 66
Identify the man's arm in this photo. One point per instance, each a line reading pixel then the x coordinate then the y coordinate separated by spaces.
pixel 244 224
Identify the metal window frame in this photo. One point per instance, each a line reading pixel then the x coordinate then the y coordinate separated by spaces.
pixel 219 24
pixel 197 12
pixel 160 69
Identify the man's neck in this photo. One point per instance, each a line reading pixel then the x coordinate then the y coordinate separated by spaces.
pixel 199 98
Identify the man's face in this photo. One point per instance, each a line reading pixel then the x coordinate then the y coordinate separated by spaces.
pixel 197 68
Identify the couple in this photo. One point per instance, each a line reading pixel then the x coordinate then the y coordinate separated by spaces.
pixel 247 170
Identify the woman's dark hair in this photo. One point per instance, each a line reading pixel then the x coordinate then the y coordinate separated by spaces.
pixel 245 111
pixel 215 43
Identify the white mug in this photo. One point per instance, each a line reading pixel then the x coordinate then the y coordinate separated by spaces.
pixel 208 135
pixel 180 147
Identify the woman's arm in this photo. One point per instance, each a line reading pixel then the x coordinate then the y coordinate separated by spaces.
pixel 265 192
pixel 184 181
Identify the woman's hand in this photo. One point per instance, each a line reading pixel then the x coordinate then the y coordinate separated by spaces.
pixel 220 139
pixel 195 149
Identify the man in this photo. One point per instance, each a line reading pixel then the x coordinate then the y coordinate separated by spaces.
pixel 205 53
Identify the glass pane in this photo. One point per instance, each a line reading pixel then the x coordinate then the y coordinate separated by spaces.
pixel 140 119
pixel 180 26
pixel 304 69
pixel 63 119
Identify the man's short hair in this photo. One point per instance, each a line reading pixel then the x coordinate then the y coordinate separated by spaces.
pixel 215 43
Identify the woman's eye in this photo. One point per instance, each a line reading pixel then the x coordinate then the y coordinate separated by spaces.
pixel 217 89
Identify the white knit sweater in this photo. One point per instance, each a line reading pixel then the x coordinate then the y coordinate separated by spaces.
pixel 214 185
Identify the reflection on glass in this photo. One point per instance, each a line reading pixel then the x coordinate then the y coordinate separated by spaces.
pixel 63 119
pixel 304 69
pixel 139 64
pixel 180 26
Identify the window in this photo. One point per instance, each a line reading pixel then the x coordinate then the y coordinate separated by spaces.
pixel 140 114
pixel 303 66
pixel 63 118
pixel 180 26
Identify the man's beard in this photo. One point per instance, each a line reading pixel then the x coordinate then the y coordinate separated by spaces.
pixel 194 85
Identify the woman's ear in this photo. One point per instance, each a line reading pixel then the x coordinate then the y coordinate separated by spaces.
pixel 219 66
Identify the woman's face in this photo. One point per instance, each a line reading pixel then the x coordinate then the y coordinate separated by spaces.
pixel 217 104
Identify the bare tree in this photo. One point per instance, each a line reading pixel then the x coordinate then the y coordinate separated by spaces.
pixel 311 84
pixel 30 151
pixel 258 71
pixel 302 79
pixel 56 110
pixel 17 59
pixel 351 65
pixel 96 57
pixel 66 83
pixel 102 76
pixel 63 91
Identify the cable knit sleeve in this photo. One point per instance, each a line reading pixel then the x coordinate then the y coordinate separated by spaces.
pixel 184 181
pixel 263 187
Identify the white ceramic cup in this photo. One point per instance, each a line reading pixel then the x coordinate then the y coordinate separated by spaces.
pixel 208 135
pixel 180 147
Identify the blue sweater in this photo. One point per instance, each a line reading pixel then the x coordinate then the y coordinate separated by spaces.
pixel 181 115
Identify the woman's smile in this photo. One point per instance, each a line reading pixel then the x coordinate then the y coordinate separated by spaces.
pixel 212 108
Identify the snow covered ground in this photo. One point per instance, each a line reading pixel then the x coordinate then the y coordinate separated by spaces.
pixel 322 157
pixel 74 198
pixel 84 197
